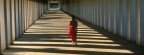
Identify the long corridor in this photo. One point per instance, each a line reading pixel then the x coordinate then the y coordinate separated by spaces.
pixel 48 36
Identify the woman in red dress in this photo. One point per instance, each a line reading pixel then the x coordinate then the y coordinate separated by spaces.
pixel 73 30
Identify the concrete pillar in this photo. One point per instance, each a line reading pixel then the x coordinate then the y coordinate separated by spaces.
pixel 97 10
pixel 124 19
pixel 84 10
pixel 138 23
pixel 35 12
pixel 8 17
pixel 2 27
pixel 17 18
pixel 107 13
pixel 104 7
pixel 91 11
pixel 121 29
pixel 23 16
pixel 31 13
pixel 114 5
pixel 133 18
pixel 100 13
pixel 109 17
pixel 94 14
pixel 141 21
pixel 13 20
pixel 128 20
pixel 112 15
pixel 87 10
pixel 103 13
pixel 20 17
pixel 117 16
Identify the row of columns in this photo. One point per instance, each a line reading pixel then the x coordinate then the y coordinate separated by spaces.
pixel 121 17
pixel 16 16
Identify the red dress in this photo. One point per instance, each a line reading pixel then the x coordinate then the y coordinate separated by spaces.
pixel 72 31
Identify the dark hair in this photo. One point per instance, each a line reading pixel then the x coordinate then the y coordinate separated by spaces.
pixel 73 18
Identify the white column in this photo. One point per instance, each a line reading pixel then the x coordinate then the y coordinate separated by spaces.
pixel 142 22
pixel 107 14
pixel 23 17
pixel 112 16
pixel 84 10
pixel 30 17
pixel 124 19
pixel 94 11
pixel 42 7
pixel 88 11
pixel 17 18
pixel 102 13
pixel 8 15
pixel 120 2
pixel 99 13
pixel 97 10
pixel 117 16
pixel 13 20
pixel 109 25
pixel 101 10
pixel 2 27
pixel 114 1
pixel 28 13
pixel 133 18
pixel 138 38
pixel 20 17
pixel 128 20
pixel 104 4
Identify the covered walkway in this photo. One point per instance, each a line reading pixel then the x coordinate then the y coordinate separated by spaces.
pixel 48 36
pixel 40 27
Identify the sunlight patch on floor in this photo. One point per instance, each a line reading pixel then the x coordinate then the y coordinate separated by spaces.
pixel 76 48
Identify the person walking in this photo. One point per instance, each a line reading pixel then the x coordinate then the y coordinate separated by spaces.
pixel 73 30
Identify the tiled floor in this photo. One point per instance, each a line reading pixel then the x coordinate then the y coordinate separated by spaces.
pixel 48 36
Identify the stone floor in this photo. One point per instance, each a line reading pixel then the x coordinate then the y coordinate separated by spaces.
pixel 48 36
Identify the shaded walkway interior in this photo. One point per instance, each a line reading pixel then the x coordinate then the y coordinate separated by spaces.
pixel 48 36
